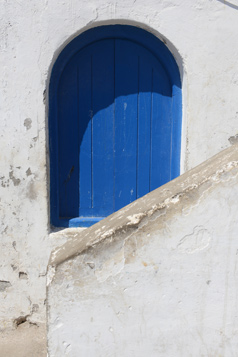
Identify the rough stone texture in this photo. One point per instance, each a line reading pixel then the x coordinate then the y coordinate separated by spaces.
pixel 202 35
pixel 158 282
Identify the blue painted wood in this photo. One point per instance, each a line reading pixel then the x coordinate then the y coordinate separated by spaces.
pixel 103 122
pixel 126 93
pixel 145 73
pixel 114 122
pixel 68 144
pixel 83 221
pixel 84 65
pixel 161 129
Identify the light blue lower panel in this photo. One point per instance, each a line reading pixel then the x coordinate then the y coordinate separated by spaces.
pixel 84 221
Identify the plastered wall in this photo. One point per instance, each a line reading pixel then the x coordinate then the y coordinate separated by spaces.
pixel 202 37
pixel 158 278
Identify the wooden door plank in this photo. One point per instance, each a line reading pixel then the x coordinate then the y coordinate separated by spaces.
pixel 85 131
pixel 126 93
pixel 103 123
pixel 144 122
pixel 68 142
pixel 161 128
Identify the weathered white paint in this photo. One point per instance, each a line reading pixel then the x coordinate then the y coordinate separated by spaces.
pixel 164 286
pixel 202 37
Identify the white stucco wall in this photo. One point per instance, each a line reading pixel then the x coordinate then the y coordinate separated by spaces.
pixel 202 37
pixel 161 282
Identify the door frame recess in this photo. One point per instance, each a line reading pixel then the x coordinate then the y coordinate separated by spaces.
pixel 127 32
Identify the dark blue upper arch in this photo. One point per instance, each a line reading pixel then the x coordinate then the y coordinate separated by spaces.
pixel 115 113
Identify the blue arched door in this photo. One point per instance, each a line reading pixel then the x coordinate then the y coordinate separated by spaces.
pixel 115 114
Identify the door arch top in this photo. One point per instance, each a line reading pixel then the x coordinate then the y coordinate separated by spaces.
pixel 134 33
pixel 120 35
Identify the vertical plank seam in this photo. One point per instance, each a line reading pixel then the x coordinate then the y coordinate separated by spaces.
pixel 137 148
pixel 91 114
pixel 78 128
pixel 151 113
pixel 114 113
pixel 171 135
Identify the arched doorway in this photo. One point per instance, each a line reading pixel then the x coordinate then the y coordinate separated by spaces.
pixel 114 122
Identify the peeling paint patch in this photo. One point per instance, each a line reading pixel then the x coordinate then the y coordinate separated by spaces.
pixel 135 218
pixel 28 172
pixel 44 96
pixel 20 320
pixel 4 285
pixel 27 123
pixel 23 275
pixel 50 275
pixel 31 193
pixel 67 347
pixel 35 307
pixel 15 180
pixel 91 265
pixel 14 244
pixel 108 233
pixel 233 139
pixel 4 183
pixel 14 267
pixel 174 199
pixel 5 230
